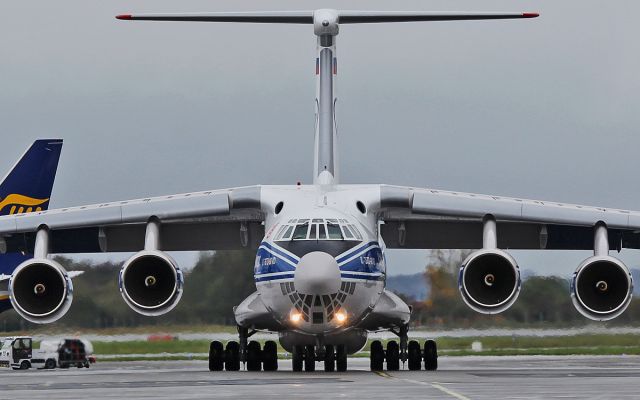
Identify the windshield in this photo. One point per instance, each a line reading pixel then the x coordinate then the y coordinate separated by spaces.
pixel 317 229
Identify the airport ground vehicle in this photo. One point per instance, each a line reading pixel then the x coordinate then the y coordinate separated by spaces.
pixel 18 353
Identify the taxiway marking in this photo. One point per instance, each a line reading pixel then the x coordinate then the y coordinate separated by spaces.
pixel 434 385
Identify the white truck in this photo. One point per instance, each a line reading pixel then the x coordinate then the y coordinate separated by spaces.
pixel 18 353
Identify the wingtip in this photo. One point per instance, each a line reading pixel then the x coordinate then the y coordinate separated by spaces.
pixel 530 15
pixel 124 16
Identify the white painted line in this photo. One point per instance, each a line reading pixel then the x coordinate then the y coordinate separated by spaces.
pixel 449 392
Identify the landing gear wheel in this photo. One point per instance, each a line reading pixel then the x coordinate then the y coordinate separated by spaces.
pixel 329 359
pixel 254 356
pixel 216 356
pixel 415 356
pixel 376 356
pixel 297 357
pixel 50 364
pixel 270 356
pixel 341 358
pixel 393 356
pixel 430 355
pixel 309 359
pixel 232 356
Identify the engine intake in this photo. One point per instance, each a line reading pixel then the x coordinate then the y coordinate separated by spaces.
pixel 40 290
pixel 601 288
pixel 489 281
pixel 151 283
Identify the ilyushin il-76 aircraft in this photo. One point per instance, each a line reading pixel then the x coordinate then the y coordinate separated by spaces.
pixel 320 249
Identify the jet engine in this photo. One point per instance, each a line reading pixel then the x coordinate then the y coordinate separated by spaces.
pixel 151 282
pixel 601 288
pixel 489 281
pixel 40 290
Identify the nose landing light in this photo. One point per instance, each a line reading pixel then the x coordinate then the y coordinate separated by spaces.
pixel 295 317
pixel 341 316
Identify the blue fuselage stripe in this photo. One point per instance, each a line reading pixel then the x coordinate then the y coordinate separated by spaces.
pixel 365 262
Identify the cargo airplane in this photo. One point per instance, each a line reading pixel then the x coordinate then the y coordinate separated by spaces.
pixel 320 249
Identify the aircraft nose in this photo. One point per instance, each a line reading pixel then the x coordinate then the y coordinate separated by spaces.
pixel 317 273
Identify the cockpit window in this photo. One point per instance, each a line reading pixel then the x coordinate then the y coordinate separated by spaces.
pixel 334 231
pixel 278 235
pixel 355 231
pixel 322 232
pixel 301 231
pixel 347 232
pixel 317 229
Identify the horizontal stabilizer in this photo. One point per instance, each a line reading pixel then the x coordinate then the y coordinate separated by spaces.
pixel 344 17
pixel 273 17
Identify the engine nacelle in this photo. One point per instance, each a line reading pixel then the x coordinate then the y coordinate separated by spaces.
pixel 40 290
pixel 151 282
pixel 601 288
pixel 489 281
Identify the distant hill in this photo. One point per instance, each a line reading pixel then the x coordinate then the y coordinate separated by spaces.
pixel 414 285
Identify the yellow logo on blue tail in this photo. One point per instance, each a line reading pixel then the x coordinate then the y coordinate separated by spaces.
pixel 21 204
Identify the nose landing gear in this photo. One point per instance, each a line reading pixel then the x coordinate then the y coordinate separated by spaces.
pixel 334 358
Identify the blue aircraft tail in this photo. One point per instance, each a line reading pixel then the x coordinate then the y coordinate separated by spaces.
pixel 27 188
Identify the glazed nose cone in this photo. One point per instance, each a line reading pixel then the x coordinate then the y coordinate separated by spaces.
pixel 317 273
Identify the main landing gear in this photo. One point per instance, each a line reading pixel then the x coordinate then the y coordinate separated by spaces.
pixel 248 352
pixel 406 351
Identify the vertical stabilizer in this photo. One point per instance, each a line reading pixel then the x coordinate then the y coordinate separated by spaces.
pixel 27 187
pixel 325 149
pixel 326 25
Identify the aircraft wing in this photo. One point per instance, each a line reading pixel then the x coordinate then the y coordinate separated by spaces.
pixel 211 220
pixel 436 219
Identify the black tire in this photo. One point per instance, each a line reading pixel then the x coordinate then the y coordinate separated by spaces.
pixel 216 356
pixel 87 364
pixel 376 356
pixel 25 365
pixel 309 359
pixel 430 355
pixel 232 356
pixel 341 358
pixel 254 356
pixel 415 356
pixel 329 358
pixel 50 364
pixel 270 356
pixel 297 358
pixel 393 356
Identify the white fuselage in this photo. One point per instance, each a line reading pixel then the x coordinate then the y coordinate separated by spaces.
pixel 316 221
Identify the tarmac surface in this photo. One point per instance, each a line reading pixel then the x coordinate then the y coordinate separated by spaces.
pixel 481 377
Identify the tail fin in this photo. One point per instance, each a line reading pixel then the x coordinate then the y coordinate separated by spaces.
pixel 326 27
pixel 27 187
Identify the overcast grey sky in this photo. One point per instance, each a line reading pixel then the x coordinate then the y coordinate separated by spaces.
pixel 547 108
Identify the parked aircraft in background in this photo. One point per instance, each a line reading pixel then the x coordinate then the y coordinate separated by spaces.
pixel 320 267
pixel 27 188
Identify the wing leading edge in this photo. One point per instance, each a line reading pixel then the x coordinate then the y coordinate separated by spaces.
pixel 210 220
pixel 429 218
